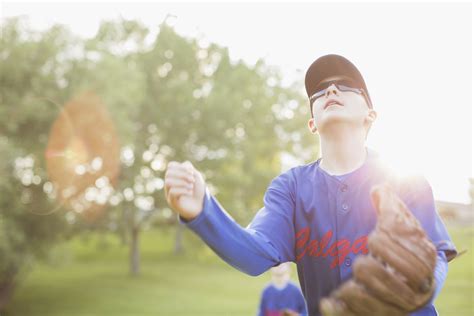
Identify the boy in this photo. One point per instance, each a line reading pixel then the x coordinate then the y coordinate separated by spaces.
pixel 282 297
pixel 317 215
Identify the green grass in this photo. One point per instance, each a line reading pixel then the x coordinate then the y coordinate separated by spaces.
pixel 457 295
pixel 94 281
pixel 90 278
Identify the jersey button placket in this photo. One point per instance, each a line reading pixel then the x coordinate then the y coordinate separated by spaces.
pixel 344 207
pixel 347 262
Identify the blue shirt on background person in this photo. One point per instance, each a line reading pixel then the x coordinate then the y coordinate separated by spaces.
pixel 281 296
pixel 275 300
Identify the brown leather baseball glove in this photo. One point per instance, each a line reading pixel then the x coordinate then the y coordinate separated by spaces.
pixel 396 277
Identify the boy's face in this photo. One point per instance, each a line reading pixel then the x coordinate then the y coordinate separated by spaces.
pixel 282 269
pixel 336 106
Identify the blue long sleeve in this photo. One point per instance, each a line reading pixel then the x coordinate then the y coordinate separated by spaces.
pixel 440 274
pixel 246 249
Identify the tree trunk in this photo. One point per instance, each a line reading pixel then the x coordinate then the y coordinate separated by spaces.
pixel 178 242
pixel 124 227
pixel 6 290
pixel 135 251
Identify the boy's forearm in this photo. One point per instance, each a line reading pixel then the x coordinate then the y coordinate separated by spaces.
pixel 440 274
pixel 244 249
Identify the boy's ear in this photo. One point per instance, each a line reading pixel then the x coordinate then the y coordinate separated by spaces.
pixel 312 126
pixel 371 116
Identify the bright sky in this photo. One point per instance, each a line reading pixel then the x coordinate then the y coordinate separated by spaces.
pixel 416 60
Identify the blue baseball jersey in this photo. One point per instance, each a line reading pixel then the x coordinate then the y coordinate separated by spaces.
pixel 274 300
pixel 320 222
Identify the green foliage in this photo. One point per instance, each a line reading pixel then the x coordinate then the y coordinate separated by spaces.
pixel 26 84
pixel 457 295
pixel 174 97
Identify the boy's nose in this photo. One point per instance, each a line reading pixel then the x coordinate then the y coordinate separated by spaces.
pixel 332 89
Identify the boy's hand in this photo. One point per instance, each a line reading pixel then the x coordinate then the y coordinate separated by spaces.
pixel 184 189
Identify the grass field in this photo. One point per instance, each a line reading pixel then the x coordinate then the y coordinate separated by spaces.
pixel 92 280
pixel 457 296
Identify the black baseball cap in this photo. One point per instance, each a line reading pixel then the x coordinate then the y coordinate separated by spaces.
pixel 329 66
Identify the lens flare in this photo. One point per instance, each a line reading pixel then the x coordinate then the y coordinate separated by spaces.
pixel 83 150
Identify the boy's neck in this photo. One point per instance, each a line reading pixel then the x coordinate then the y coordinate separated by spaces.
pixel 343 152
pixel 280 283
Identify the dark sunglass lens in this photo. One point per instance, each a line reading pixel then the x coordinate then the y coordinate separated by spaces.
pixel 346 88
pixel 323 86
pixel 348 83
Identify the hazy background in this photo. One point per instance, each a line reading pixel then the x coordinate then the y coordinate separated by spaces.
pixel 96 99
pixel 416 60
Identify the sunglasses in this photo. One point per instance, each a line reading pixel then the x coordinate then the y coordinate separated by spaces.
pixel 341 85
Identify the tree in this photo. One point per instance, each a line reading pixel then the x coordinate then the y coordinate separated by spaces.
pixel 28 81
pixel 177 98
pixel 190 102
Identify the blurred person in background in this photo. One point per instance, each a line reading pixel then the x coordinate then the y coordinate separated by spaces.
pixel 282 297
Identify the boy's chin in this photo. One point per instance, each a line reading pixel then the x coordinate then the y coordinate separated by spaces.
pixel 335 119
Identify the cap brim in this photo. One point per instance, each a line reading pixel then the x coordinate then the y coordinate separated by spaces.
pixel 330 66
